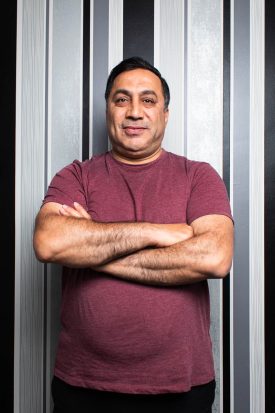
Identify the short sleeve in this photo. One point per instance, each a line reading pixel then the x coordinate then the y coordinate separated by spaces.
pixel 208 194
pixel 68 186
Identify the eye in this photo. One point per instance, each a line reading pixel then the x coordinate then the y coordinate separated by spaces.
pixel 121 101
pixel 149 101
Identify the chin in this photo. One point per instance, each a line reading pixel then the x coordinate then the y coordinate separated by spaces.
pixel 135 148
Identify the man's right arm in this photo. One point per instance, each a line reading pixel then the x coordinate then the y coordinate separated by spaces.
pixel 77 241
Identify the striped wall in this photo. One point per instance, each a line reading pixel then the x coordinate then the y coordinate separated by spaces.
pixel 212 54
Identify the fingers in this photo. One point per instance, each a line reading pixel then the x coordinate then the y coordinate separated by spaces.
pixel 79 208
pixel 69 212
pixel 78 211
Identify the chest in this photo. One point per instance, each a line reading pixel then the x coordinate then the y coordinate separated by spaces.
pixel 157 197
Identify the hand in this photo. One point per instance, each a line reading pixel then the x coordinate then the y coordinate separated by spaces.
pixel 78 211
pixel 173 233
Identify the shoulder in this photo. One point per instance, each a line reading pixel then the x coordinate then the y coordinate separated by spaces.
pixel 193 169
pixel 71 183
pixel 79 168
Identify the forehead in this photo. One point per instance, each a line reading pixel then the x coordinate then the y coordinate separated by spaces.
pixel 137 79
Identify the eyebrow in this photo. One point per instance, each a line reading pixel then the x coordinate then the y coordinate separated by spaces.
pixel 128 93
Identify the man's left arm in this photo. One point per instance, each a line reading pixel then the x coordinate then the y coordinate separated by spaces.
pixel 208 254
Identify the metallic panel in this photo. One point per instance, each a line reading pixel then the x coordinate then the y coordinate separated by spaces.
pixel 64 143
pixel 269 204
pixel 115 32
pixel 205 125
pixel 169 59
pixel 115 36
pixel 65 84
pixel 240 123
pixel 205 82
pixel 30 153
pixel 256 202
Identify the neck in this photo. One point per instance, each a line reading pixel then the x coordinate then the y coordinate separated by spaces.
pixel 137 161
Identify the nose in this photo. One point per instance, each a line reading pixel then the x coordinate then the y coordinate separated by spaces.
pixel 135 110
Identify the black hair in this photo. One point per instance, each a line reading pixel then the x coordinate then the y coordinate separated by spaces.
pixel 137 63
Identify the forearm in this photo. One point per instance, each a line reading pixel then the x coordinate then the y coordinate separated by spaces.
pixel 79 242
pixel 67 235
pixel 191 261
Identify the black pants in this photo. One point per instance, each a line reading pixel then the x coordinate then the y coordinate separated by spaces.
pixel 70 399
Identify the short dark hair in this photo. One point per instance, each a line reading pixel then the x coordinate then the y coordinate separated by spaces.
pixel 132 63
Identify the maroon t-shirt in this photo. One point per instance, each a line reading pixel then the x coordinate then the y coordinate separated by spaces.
pixel 122 336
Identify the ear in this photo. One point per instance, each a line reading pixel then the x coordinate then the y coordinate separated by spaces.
pixel 166 116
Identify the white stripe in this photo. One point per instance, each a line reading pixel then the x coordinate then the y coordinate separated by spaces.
pixel 48 358
pixel 115 35
pixel 49 91
pixel 115 32
pixel 221 282
pixel 232 203
pixel 205 125
pixel 256 252
pixel 169 59
pixel 30 130
pixel 157 33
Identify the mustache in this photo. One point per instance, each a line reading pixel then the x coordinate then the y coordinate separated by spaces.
pixel 133 125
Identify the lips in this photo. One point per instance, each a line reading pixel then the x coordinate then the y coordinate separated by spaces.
pixel 134 130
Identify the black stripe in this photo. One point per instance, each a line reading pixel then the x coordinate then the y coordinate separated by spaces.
pixel 226 177
pixel 269 204
pixel 7 205
pixel 86 80
pixel 100 74
pixel 138 29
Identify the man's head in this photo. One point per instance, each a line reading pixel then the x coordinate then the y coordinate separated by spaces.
pixel 133 63
pixel 137 99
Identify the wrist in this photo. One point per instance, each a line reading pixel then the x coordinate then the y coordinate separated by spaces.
pixel 153 233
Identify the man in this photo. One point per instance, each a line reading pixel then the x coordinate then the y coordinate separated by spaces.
pixel 139 231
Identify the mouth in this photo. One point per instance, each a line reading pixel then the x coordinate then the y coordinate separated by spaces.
pixel 134 130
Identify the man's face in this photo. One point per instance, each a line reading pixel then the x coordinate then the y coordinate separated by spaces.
pixel 136 117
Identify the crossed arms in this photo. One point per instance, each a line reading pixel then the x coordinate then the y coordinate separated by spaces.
pixel 160 254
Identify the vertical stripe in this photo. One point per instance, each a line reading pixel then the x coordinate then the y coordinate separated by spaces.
pixel 30 134
pixel 18 137
pixel 138 29
pixel 270 203
pixel 7 208
pixel 232 371
pixel 49 330
pixel 91 78
pixel 64 139
pixel 240 90
pixel 115 35
pixel 100 73
pixel 185 58
pixel 256 202
pixel 226 178
pixel 115 32
pixel 204 82
pixel 205 126
pixel 66 84
pixel 169 58
pixel 46 379
pixel 86 80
